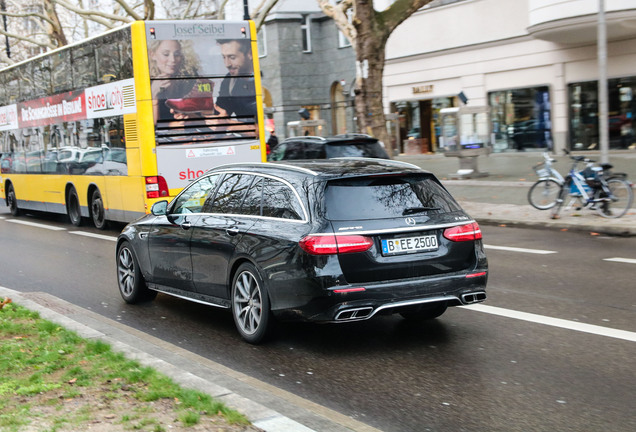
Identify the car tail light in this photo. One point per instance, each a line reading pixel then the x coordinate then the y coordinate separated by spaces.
pixel 331 244
pixel 156 187
pixel 462 233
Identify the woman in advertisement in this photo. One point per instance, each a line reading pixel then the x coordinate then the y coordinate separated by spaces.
pixel 171 59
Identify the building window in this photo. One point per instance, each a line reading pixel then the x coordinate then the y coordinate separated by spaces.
pixel 343 42
pixel 305 29
pixel 583 99
pixel 261 41
pixel 521 119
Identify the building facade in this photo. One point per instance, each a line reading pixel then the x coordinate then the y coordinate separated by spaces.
pixel 306 64
pixel 533 63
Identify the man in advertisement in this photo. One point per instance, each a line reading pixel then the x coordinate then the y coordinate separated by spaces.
pixel 236 93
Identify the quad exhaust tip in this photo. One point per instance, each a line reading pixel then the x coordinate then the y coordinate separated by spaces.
pixel 353 314
pixel 473 298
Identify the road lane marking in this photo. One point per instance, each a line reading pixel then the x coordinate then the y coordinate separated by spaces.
pixel 98 236
pixel 37 225
pixel 555 322
pixel 621 260
pixel 523 250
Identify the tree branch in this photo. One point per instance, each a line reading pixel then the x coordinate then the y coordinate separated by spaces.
pixel 338 13
pixel 102 18
pixel 27 39
pixel 26 15
pixel 261 12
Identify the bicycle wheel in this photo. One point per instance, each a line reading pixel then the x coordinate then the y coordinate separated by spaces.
pixel 619 201
pixel 563 194
pixel 544 193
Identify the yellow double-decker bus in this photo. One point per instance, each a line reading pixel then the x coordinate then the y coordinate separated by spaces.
pixel 103 128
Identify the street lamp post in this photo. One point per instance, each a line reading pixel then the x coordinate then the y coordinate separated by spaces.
pixel 246 11
pixel 3 7
pixel 602 83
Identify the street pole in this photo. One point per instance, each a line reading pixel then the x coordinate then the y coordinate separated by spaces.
pixel 602 83
pixel 246 11
pixel 3 7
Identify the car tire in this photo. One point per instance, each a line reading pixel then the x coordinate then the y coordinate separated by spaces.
pixel 97 210
pixel 12 202
pixel 250 304
pixel 425 312
pixel 132 286
pixel 73 208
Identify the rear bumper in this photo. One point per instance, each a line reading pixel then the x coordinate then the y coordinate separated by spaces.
pixel 337 304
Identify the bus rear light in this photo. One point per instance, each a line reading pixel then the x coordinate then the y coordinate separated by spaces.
pixel 463 233
pixel 156 187
pixel 331 244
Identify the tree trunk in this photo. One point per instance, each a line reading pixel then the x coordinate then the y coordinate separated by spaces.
pixel 369 47
pixel 55 30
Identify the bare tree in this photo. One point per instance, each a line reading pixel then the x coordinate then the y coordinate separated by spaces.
pixel 368 31
pixel 59 22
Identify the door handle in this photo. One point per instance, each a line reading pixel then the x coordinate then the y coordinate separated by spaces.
pixel 186 225
pixel 232 231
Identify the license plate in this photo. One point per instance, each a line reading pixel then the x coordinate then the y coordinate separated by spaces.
pixel 409 244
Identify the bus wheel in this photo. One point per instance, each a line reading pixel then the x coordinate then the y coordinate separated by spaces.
pixel 97 210
pixel 12 202
pixel 73 207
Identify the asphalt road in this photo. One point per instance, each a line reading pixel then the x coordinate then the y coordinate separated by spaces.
pixel 470 370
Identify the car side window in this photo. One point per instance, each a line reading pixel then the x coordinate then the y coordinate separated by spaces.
pixel 278 152
pixel 315 151
pixel 193 198
pixel 253 199
pixel 295 150
pixel 279 201
pixel 229 196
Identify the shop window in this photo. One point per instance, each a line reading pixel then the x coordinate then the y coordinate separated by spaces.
pixel 584 129
pixel 521 119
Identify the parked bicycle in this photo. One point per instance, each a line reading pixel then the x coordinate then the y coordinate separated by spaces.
pixel 610 194
pixel 544 192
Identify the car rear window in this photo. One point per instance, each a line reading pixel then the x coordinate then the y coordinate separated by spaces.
pixel 364 198
pixel 370 150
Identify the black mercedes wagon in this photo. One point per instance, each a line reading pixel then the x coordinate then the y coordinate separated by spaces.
pixel 335 240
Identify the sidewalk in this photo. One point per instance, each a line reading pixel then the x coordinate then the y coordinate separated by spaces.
pixel 501 197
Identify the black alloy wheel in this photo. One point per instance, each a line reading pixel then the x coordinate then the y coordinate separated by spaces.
pixel 132 286
pixel 97 210
pixel 250 304
pixel 73 207
pixel 12 201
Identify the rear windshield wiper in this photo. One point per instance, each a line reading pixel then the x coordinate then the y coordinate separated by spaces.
pixel 413 210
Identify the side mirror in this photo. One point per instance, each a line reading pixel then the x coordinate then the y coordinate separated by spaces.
pixel 160 208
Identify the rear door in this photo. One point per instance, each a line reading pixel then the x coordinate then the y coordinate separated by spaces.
pixel 406 217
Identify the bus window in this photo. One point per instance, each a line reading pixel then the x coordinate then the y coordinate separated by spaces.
pixel 83 65
pixel 3 94
pixel 125 54
pixel 12 86
pixel 61 72
pixel 107 63
pixel 27 89
pixel 42 77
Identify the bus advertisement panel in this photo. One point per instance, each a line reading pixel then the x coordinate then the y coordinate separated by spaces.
pixel 203 86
